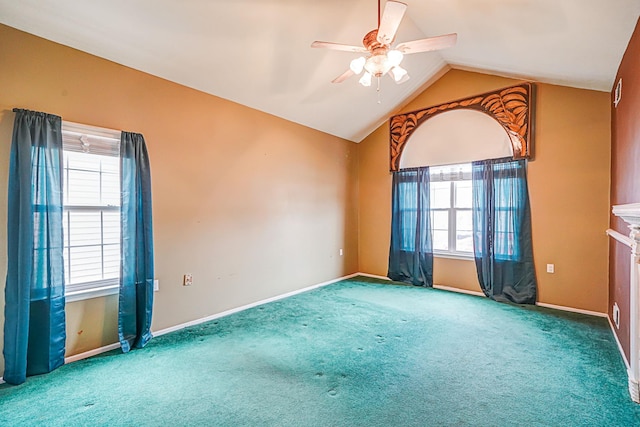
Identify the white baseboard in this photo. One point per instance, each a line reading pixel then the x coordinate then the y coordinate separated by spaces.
pixel 459 290
pixel 248 306
pixel 480 294
pixel 441 287
pixel 90 353
pixel 613 331
pixel 572 310
pixel 373 276
pixel 634 388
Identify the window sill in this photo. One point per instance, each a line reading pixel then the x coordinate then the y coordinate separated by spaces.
pixel 454 255
pixel 97 292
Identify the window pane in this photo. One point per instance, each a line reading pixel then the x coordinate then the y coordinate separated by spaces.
pixel 507 192
pixel 440 193
pixel 440 220
pixel 112 261
pixel 463 194
pixel 408 227
pixel 91 219
pixel 111 224
pixel 464 220
pixel 464 231
pixel 441 240
pixel 110 189
pixel 83 188
pixel 86 265
pixel 82 161
pixel 85 228
pixel 506 228
pixel 440 225
pixel 92 180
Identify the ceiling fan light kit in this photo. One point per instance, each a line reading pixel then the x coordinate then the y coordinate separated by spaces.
pixel 381 58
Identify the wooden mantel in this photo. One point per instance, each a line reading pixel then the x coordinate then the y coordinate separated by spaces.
pixel 630 213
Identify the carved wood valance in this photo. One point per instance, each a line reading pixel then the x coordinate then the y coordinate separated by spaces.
pixel 511 107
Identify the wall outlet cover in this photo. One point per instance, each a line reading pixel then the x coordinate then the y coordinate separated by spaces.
pixel 187 280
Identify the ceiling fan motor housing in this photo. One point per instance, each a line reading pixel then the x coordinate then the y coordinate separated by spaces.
pixel 377 64
pixel 370 41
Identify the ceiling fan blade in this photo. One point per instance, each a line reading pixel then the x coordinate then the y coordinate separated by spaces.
pixel 344 76
pixel 390 21
pixel 425 45
pixel 339 46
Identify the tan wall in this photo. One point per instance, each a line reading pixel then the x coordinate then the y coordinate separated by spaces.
pixel 253 206
pixel 568 188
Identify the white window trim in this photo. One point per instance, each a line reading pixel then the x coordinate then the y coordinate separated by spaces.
pixel 88 290
pixel 466 256
pixel 99 288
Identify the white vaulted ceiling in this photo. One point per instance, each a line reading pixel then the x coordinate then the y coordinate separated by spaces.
pixel 256 52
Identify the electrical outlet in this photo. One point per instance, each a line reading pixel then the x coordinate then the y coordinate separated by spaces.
pixel 156 285
pixel 616 315
pixel 551 268
pixel 187 280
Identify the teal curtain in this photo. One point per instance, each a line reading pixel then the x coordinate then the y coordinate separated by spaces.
pixel 136 275
pixel 503 248
pixel 34 325
pixel 411 250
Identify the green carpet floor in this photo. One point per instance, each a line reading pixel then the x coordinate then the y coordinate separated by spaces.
pixel 359 352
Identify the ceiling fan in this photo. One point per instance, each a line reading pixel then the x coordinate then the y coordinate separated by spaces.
pixel 381 58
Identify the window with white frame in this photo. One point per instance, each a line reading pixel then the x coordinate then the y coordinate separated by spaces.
pixel 91 218
pixel 450 203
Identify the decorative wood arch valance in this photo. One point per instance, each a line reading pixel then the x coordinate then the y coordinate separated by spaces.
pixel 511 107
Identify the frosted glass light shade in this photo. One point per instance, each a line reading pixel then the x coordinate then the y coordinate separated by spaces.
pixel 365 80
pixel 377 65
pixel 399 74
pixel 395 57
pixel 357 65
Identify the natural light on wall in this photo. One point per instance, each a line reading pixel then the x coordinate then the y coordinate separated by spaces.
pixel 454 137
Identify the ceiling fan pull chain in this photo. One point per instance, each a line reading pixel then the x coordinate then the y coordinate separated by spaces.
pixel 378 90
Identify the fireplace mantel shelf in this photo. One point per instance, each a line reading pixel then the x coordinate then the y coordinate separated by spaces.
pixel 630 213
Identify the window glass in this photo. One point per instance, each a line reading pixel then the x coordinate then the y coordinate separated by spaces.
pixel 91 218
pixel 440 225
pixel 463 194
pixel 464 231
pixel 440 195
pixel 451 192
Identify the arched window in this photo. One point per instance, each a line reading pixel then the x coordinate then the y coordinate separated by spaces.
pixel 457 190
